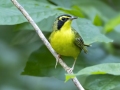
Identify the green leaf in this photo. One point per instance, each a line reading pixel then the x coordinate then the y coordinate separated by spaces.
pixel 37 10
pixel 88 6
pixel 94 15
pixel 69 76
pixel 107 68
pixel 111 59
pixel 41 63
pixel 97 20
pixel 25 37
pixel 41 24
pixel 112 24
pixel 115 36
pixel 63 3
pixel 102 82
pixel 89 32
pixel 75 10
pixel 117 28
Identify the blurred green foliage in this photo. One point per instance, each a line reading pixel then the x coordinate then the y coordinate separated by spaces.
pixel 26 64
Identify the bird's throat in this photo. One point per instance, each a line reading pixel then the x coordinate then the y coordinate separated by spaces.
pixel 66 26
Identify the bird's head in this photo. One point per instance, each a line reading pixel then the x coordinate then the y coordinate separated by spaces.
pixel 63 21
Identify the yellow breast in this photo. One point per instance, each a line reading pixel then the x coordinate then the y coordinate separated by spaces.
pixel 63 43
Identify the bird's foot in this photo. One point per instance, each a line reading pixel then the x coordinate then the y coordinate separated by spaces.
pixel 57 61
pixel 70 70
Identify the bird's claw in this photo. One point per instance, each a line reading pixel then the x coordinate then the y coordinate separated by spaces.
pixel 70 70
pixel 57 61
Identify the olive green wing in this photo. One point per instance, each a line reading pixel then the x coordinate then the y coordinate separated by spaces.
pixel 79 41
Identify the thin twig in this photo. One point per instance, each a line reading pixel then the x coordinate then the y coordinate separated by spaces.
pixel 39 32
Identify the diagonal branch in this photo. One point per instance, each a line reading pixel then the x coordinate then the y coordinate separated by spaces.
pixel 45 41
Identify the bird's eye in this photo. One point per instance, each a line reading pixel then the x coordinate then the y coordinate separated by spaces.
pixel 63 19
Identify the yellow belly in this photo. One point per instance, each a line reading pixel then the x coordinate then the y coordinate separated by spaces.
pixel 63 43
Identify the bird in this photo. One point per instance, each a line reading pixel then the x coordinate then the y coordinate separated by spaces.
pixel 65 40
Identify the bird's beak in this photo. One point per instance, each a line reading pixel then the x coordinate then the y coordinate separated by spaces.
pixel 72 18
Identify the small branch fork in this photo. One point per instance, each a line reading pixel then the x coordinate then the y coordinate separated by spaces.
pixel 45 41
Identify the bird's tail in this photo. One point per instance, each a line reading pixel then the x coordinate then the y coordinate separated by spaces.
pixel 85 49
